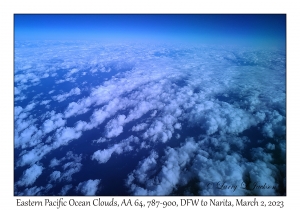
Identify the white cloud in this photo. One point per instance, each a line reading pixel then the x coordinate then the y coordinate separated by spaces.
pixel 29 107
pixel 30 175
pixel 32 191
pixel 18 110
pixel 54 162
pixel 177 126
pixel 55 175
pixel 72 71
pixel 75 109
pixel 65 135
pixel 169 176
pixel 263 174
pixel 89 187
pixel 141 108
pixel 102 156
pixel 70 168
pixel 139 127
pixel 270 146
pixel 53 123
pixel 65 189
pixel 115 127
pixel 62 97
pixel 45 102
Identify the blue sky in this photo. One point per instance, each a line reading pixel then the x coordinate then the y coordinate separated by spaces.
pixel 202 29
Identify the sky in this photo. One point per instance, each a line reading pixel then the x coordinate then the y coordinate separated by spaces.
pixel 247 29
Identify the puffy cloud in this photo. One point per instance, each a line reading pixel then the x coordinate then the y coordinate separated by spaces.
pixel 75 109
pixel 142 108
pixel 31 191
pixel 45 102
pixel 54 162
pixel 30 175
pixel 139 127
pixel 55 175
pixel 159 131
pixel 72 71
pixel 65 189
pixel 54 122
pixel 270 146
pixel 29 107
pixel 143 171
pixel 62 97
pixel 18 110
pixel 177 126
pixel 67 168
pixel 276 125
pixel 70 168
pixel 64 135
pixel 169 176
pixel 115 126
pixel 89 187
pixel 102 156
pixel 263 178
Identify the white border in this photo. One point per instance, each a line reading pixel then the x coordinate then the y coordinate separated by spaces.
pixel 9 8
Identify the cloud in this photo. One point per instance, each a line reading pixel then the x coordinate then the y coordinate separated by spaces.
pixel 264 174
pixel 62 97
pixel 55 175
pixel 33 155
pixel 70 168
pixel 54 122
pixel 158 131
pixel 89 187
pixel 65 189
pixel 65 135
pixel 115 127
pixel 54 162
pixel 30 175
pixel 102 156
pixel 45 102
pixel 75 109
pixel 275 126
pixel 169 176
pixel 141 108
pixel 139 127
pixel 144 170
pixel 32 191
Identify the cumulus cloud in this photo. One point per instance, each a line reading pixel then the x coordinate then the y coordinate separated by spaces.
pixel 65 189
pixel 139 127
pixel 66 134
pixel 54 162
pixel 30 175
pixel 31 191
pixel 115 126
pixel 62 97
pixel 55 175
pixel 89 187
pixel 54 122
pixel 45 102
pixel 69 165
pixel 169 176
pixel 102 156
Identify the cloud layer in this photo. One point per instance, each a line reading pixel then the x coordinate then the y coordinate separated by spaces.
pixel 202 116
